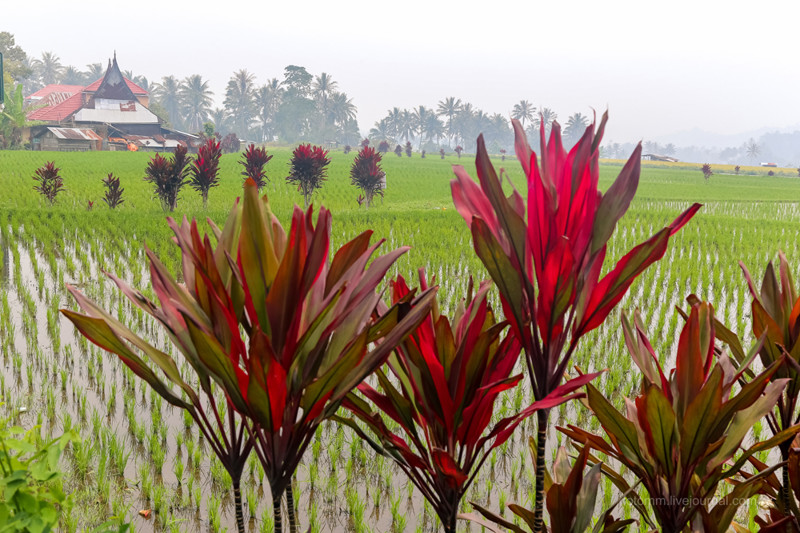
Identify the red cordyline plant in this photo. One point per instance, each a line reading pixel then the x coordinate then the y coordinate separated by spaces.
pixel 547 268
pixel 204 172
pixel 168 176
pixel 366 174
pixel 681 436
pixel 706 169
pixel 49 182
pixel 447 379
pixel 383 147
pixel 253 161
pixel 408 148
pixel 113 194
pixel 398 151
pixel 286 333
pixel 190 314
pixel 308 169
pixel 776 315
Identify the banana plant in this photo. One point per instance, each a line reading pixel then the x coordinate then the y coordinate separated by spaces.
pixel 681 437
pixel 264 316
pixel 547 266
pixel 447 378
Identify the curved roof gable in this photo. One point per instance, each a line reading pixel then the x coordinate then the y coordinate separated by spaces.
pixel 113 85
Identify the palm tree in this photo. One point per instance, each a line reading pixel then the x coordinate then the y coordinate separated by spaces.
pixel 195 101
pixel 546 117
pixel 523 111
pixel 221 120
pixel 48 68
pixel 575 126
pixel 381 132
pixel 421 117
pixel 434 128
pixel 240 101
pixel 268 99
pixel 449 107
pixel 167 93
pixel 72 76
pixel 462 125
pixel 394 119
pixel 406 126
pixel 94 71
pixel 499 130
pixel 342 112
pixel 322 88
pixel 753 149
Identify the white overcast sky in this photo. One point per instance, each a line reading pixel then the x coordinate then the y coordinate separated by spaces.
pixel 659 67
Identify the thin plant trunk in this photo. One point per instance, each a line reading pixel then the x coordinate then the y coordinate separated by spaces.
pixel 293 525
pixel 541 446
pixel 276 512
pixel 237 501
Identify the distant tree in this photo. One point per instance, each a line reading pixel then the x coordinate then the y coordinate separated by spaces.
pixel 208 129
pixel 434 129
pixel 753 149
pixel 670 149
pixel 240 101
pixel 168 94
pixel 196 102
pixel 523 111
pixel 253 160
pixel 308 169
pixel 113 194
pixel 575 127
pixel 204 171
pixel 323 88
pixel 94 72
pixel 449 107
pixel 168 177
pixel 350 132
pixel 16 64
pixel 221 120
pixel 268 100
pixel 546 116
pixel 408 148
pixel 367 175
pixel 706 168
pixel 398 151
pixel 381 132
pixel 342 110
pixel 48 68
pixel 49 182
pixel 420 121
pixel 73 76
pixel 296 113
pixel 463 123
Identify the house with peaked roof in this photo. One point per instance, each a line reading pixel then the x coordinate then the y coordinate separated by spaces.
pixel 112 107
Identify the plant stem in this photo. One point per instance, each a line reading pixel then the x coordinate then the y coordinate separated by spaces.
pixel 290 506
pixel 541 445
pixel 276 512
pixel 237 501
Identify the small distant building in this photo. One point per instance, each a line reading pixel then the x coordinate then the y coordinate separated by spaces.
pixel 68 139
pixel 657 157
pixel 113 107
pixel 769 164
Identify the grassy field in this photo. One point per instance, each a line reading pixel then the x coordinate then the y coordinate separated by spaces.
pixel 138 453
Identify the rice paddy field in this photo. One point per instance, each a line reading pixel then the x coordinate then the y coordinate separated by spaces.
pixel 136 452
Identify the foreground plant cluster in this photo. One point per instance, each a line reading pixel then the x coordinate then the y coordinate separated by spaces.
pixel 275 334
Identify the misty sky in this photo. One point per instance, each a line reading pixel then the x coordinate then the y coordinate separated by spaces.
pixel 659 67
